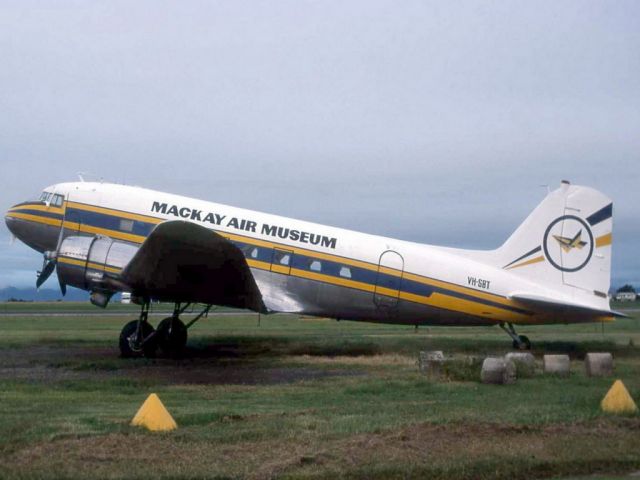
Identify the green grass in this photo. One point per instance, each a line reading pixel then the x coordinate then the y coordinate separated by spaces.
pixel 86 307
pixel 292 397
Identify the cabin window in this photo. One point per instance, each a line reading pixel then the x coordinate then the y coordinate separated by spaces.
pixel 316 266
pixel 282 258
pixel 345 272
pixel 57 200
pixel 126 225
pixel 254 253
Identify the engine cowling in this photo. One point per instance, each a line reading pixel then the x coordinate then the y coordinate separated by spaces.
pixel 92 263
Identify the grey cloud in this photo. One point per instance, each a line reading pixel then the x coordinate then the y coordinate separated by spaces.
pixel 421 120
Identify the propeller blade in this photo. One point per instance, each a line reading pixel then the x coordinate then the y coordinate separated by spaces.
pixel 46 272
pixel 12 239
pixel 49 265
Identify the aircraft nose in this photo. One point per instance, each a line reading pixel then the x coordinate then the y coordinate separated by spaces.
pixel 33 226
pixel 10 221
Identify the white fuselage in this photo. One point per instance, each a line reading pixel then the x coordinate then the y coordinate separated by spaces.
pixel 328 271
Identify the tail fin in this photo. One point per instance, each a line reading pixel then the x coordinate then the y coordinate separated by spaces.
pixel 565 243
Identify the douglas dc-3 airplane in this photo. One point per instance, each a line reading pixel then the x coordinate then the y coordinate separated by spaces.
pixel 106 238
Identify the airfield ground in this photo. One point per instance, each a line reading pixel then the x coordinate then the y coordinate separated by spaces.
pixel 304 398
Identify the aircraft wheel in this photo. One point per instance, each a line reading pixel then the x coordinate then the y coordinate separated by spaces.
pixel 130 344
pixel 172 336
pixel 523 344
pixel 527 344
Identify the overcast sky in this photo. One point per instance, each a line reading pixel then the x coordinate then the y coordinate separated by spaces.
pixel 436 122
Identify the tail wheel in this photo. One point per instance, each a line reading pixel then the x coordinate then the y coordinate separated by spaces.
pixel 172 336
pixel 131 340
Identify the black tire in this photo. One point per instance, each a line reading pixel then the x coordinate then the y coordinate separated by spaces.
pixel 172 336
pixel 130 345
pixel 523 344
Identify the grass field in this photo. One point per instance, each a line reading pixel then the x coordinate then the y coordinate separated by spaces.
pixel 292 397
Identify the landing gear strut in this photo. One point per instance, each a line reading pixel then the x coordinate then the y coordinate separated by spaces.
pixel 138 338
pixel 520 342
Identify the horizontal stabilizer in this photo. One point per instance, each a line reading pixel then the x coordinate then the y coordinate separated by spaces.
pixel 554 304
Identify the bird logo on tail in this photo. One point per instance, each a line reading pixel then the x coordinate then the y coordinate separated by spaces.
pixel 567 244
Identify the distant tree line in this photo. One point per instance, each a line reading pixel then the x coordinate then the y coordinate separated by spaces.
pixel 626 288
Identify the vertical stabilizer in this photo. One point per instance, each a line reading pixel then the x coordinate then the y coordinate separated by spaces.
pixel 565 243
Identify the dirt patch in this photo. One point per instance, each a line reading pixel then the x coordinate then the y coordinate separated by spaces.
pixel 51 364
pixel 30 355
pixel 230 374
pixel 362 360
pixel 440 451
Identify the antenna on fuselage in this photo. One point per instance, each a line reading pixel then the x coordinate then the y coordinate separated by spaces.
pixel 82 175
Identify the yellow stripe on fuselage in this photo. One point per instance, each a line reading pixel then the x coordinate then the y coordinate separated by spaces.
pixel 35 218
pixel 83 264
pixel 457 288
pixel 436 299
pixel 38 207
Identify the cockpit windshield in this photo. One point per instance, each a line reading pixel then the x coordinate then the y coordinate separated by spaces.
pixel 52 199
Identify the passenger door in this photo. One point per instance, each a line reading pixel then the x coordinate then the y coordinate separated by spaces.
pixel 388 280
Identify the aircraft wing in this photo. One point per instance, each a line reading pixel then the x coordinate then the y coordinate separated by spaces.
pixel 184 262
pixel 564 308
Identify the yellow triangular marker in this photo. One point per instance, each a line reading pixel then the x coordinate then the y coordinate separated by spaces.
pixel 618 400
pixel 153 416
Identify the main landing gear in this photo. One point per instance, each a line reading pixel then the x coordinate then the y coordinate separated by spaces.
pixel 138 338
pixel 520 342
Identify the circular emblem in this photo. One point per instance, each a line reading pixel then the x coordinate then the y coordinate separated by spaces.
pixel 568 243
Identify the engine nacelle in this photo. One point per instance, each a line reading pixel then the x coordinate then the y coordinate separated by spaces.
pixel 92 263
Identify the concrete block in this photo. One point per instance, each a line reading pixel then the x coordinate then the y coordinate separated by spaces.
pixel 498 370
pixel 522 357
pixel 430 363
pixel 525 363
pixel 557 364
pixel 598 364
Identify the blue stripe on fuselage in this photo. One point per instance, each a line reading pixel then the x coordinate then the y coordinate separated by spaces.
pixel 298 260
pixel 109 222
